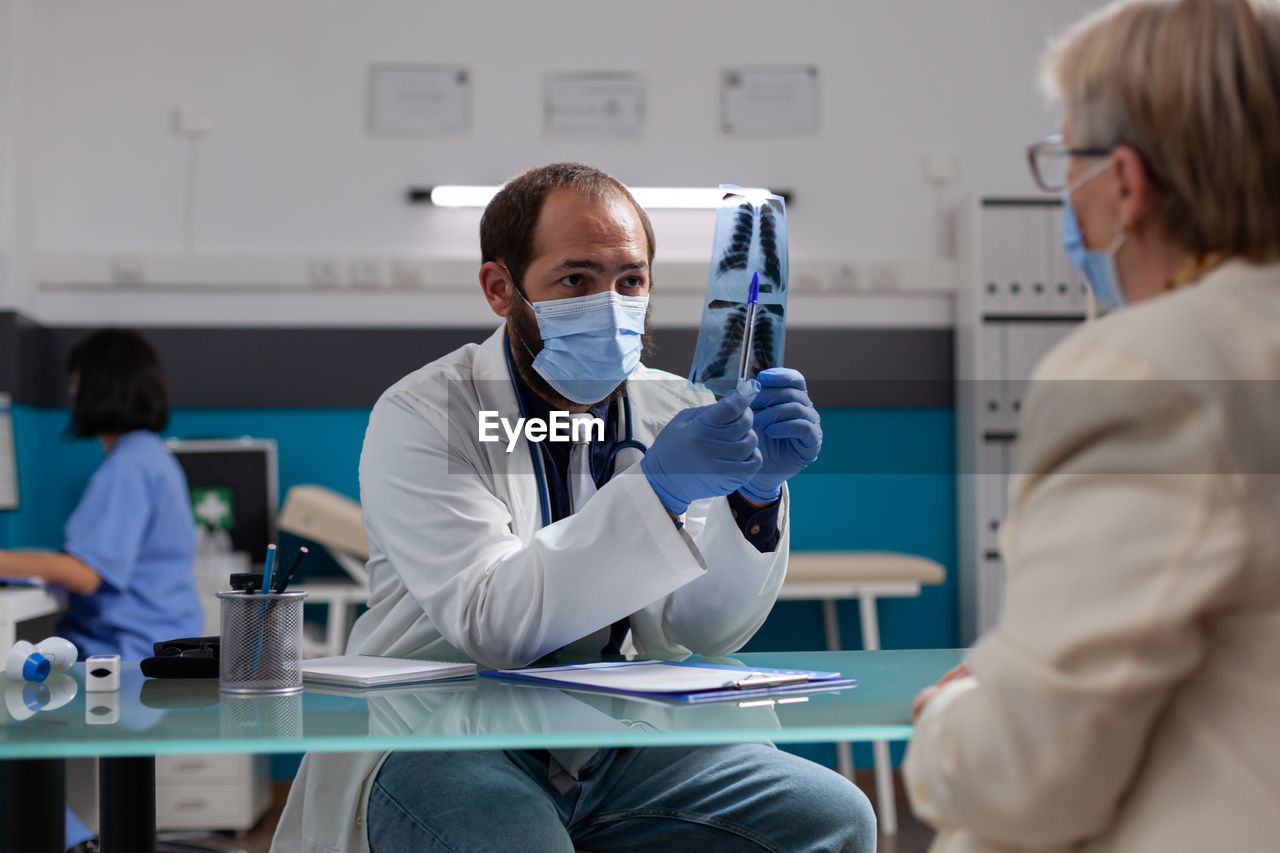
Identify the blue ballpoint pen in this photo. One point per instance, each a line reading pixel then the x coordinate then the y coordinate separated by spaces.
pixel 262 608
pixel 744 368
pixel 267 568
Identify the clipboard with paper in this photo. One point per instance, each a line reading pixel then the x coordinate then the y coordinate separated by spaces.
pixel 683 681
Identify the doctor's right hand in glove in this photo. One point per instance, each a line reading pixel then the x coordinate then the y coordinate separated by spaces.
pixel 788 429
pixel 705 452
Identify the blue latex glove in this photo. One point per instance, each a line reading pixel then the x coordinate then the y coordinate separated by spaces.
pixel 704 452
pixel 788 429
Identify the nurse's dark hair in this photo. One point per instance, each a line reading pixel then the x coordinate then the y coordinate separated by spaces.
pixel 119 385
pixel 506 228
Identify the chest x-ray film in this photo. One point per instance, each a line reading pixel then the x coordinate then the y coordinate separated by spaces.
pixel 738 339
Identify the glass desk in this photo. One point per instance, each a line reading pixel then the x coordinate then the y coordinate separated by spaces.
pixel 149 717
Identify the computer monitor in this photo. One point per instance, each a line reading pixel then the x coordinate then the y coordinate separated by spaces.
pixel 234 487
pixel 8 457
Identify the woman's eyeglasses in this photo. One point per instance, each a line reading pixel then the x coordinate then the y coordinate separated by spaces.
pixel 1050 159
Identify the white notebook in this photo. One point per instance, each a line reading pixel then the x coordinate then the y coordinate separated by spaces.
pixel 373 671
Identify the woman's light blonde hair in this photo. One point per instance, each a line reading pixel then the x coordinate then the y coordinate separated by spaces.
pixel 1194 87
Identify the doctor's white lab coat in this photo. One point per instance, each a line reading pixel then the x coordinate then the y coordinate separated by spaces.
pixel 461 567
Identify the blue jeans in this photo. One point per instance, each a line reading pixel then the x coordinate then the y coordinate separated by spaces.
pixel 702 798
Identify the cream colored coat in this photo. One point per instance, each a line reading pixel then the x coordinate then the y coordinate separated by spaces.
pixel 460 566
pixel 1129 699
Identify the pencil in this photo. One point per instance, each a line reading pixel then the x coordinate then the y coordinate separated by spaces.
pixel 288 576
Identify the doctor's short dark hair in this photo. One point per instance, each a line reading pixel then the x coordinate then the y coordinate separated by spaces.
pixel 119 385
pixel 508 223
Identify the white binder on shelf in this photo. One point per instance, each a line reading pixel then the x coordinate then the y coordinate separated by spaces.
pixel 993 389
pixel 1035 230
pixel 1009 465
pixel 1023 343
pixel 995 266
pixel 1022 263
pixel 991 592
pixel 991 476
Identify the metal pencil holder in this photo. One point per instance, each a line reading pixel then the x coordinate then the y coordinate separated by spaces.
pixel 261 642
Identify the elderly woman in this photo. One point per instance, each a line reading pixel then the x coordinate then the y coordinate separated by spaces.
pixel 1129 699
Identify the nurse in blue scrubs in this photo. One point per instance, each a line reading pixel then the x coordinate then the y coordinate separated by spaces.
pixel 127 558
pixel 130 543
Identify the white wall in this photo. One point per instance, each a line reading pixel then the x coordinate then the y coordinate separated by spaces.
pixel 289 168
pixel 8 126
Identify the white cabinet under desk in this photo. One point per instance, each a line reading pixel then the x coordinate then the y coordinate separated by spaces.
pixel 216 792
pixel 193 792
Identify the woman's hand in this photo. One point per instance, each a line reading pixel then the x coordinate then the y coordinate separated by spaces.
pixel 52 567
pixel 923 697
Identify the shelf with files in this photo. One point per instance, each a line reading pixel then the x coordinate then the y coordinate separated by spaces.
pixel 1017 296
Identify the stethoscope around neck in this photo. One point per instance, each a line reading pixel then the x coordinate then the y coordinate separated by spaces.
pixel 627 442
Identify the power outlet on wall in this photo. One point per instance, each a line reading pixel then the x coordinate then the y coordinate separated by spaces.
pixel 939 169
pixel 883 277
pixel 364 272
pixel 192 120
pixel 128 269
pixel 323 272
pixel 844 277
pixel 408 274
pixel 809 278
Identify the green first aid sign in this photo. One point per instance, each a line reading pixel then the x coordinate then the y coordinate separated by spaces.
pixel 213 507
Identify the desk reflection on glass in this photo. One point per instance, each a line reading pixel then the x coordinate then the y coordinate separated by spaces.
pixel 485 707
pixel 189 717
pixel 443 711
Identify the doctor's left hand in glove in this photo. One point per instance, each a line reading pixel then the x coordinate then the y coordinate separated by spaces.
pixel 788 430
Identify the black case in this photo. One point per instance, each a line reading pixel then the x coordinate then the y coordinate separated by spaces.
pixel 189 657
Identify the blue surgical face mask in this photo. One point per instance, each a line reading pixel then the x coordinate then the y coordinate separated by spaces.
pixel 590 344
pixel 1097 266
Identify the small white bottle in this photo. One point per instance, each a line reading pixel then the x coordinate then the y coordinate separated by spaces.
pixel 102 673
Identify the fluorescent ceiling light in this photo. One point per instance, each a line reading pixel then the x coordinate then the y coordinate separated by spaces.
pixel 668 198
pixel 462 196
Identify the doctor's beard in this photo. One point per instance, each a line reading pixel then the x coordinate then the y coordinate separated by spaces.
pixel 526 343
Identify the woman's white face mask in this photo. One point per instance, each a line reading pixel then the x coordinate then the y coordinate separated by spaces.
pixel 1097 266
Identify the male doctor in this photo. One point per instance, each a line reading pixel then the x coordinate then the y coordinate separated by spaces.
pixel 501 548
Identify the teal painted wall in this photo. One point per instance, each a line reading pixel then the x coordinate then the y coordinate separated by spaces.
pixel 315 446
pixel 885 481
pixel 52 472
